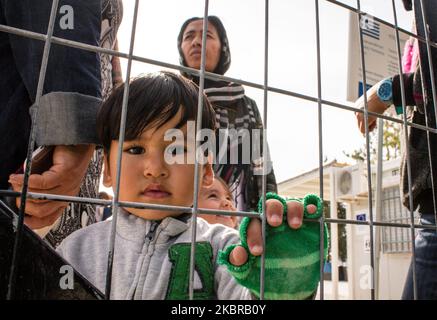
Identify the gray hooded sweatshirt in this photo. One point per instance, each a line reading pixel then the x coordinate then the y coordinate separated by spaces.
pixel 151 258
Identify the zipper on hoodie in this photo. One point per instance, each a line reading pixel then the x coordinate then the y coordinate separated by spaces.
pixel 148 239
pixel 149 236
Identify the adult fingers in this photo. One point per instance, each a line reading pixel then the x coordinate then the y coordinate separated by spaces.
pixel 372 122
pixel 38 223
pixel 46 181
pixel 41 210
pixel 360 122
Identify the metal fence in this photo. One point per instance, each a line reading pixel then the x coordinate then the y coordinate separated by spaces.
pixel 395 240
pixel 404 225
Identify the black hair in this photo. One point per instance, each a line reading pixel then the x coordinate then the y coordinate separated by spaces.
pixel 225 185
pixel 225 53
pixel 154 99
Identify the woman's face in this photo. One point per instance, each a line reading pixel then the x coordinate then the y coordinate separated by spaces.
pixel 192 45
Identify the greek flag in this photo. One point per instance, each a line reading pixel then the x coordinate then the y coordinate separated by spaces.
pixel 370 27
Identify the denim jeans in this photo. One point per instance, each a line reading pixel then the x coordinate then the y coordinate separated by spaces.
pixel 426 263
pixel 69 70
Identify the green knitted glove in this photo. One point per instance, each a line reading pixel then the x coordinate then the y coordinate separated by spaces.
pixel 292 260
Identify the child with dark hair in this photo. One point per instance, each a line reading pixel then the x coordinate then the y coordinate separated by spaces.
pixel 152 247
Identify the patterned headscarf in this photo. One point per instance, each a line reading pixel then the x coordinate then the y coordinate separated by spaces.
pixel 234 110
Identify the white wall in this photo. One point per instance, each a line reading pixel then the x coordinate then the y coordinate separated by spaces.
pixel 393 267
pixel 359 272
pixel 393 272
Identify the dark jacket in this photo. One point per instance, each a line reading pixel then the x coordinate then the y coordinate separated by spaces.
pixel 419 98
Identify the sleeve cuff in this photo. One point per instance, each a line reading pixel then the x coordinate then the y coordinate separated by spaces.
pixel 66 118
pixel 408 86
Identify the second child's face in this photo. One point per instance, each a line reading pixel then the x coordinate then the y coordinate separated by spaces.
pixel 217 197
pixel 147 178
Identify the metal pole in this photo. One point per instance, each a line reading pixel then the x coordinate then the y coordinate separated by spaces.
pixel 196 170
pixel 115 200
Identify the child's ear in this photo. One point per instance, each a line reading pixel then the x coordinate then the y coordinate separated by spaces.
pixel 107 179
pixel 208 175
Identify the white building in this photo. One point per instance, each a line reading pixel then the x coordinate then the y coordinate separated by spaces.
pixel 392 245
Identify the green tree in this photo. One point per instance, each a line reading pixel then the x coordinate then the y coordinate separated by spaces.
pixel 341 214
pixel 390 144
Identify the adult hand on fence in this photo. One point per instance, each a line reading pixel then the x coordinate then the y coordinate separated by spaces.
pixel 64 177
pixel 374 104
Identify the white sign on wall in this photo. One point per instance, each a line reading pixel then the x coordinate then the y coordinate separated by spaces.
pixel 380 53
pixel 366 243
pixel 361 229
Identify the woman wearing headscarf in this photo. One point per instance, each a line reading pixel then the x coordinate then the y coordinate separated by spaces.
pixel 234 110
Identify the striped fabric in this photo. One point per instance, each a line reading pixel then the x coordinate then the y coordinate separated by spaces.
pixel 234 110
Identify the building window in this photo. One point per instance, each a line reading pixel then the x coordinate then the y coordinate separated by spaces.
pixel 395 239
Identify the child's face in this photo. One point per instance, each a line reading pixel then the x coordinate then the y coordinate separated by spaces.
pixel 217 197
pixel 146 177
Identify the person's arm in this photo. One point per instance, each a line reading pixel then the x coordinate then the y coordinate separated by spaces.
pixel 72 88
pixel 376 105
pixel 410 96
pixel 71 96
pixel 117 75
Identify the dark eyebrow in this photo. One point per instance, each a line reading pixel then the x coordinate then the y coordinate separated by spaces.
pixel 211 190
pixel 189 32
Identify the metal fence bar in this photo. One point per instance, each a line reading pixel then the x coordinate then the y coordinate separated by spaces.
pixel 138 205
pixel 115 200
pixel 369 170
pixel 378 224
pixel 127 204
pixel 208 75
pixel 196 169
pixel 397 206
pixel 386 216
pixel 116 204
pixel 39 91
pixel 320 127
pixel 430 62
pixel 264 175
